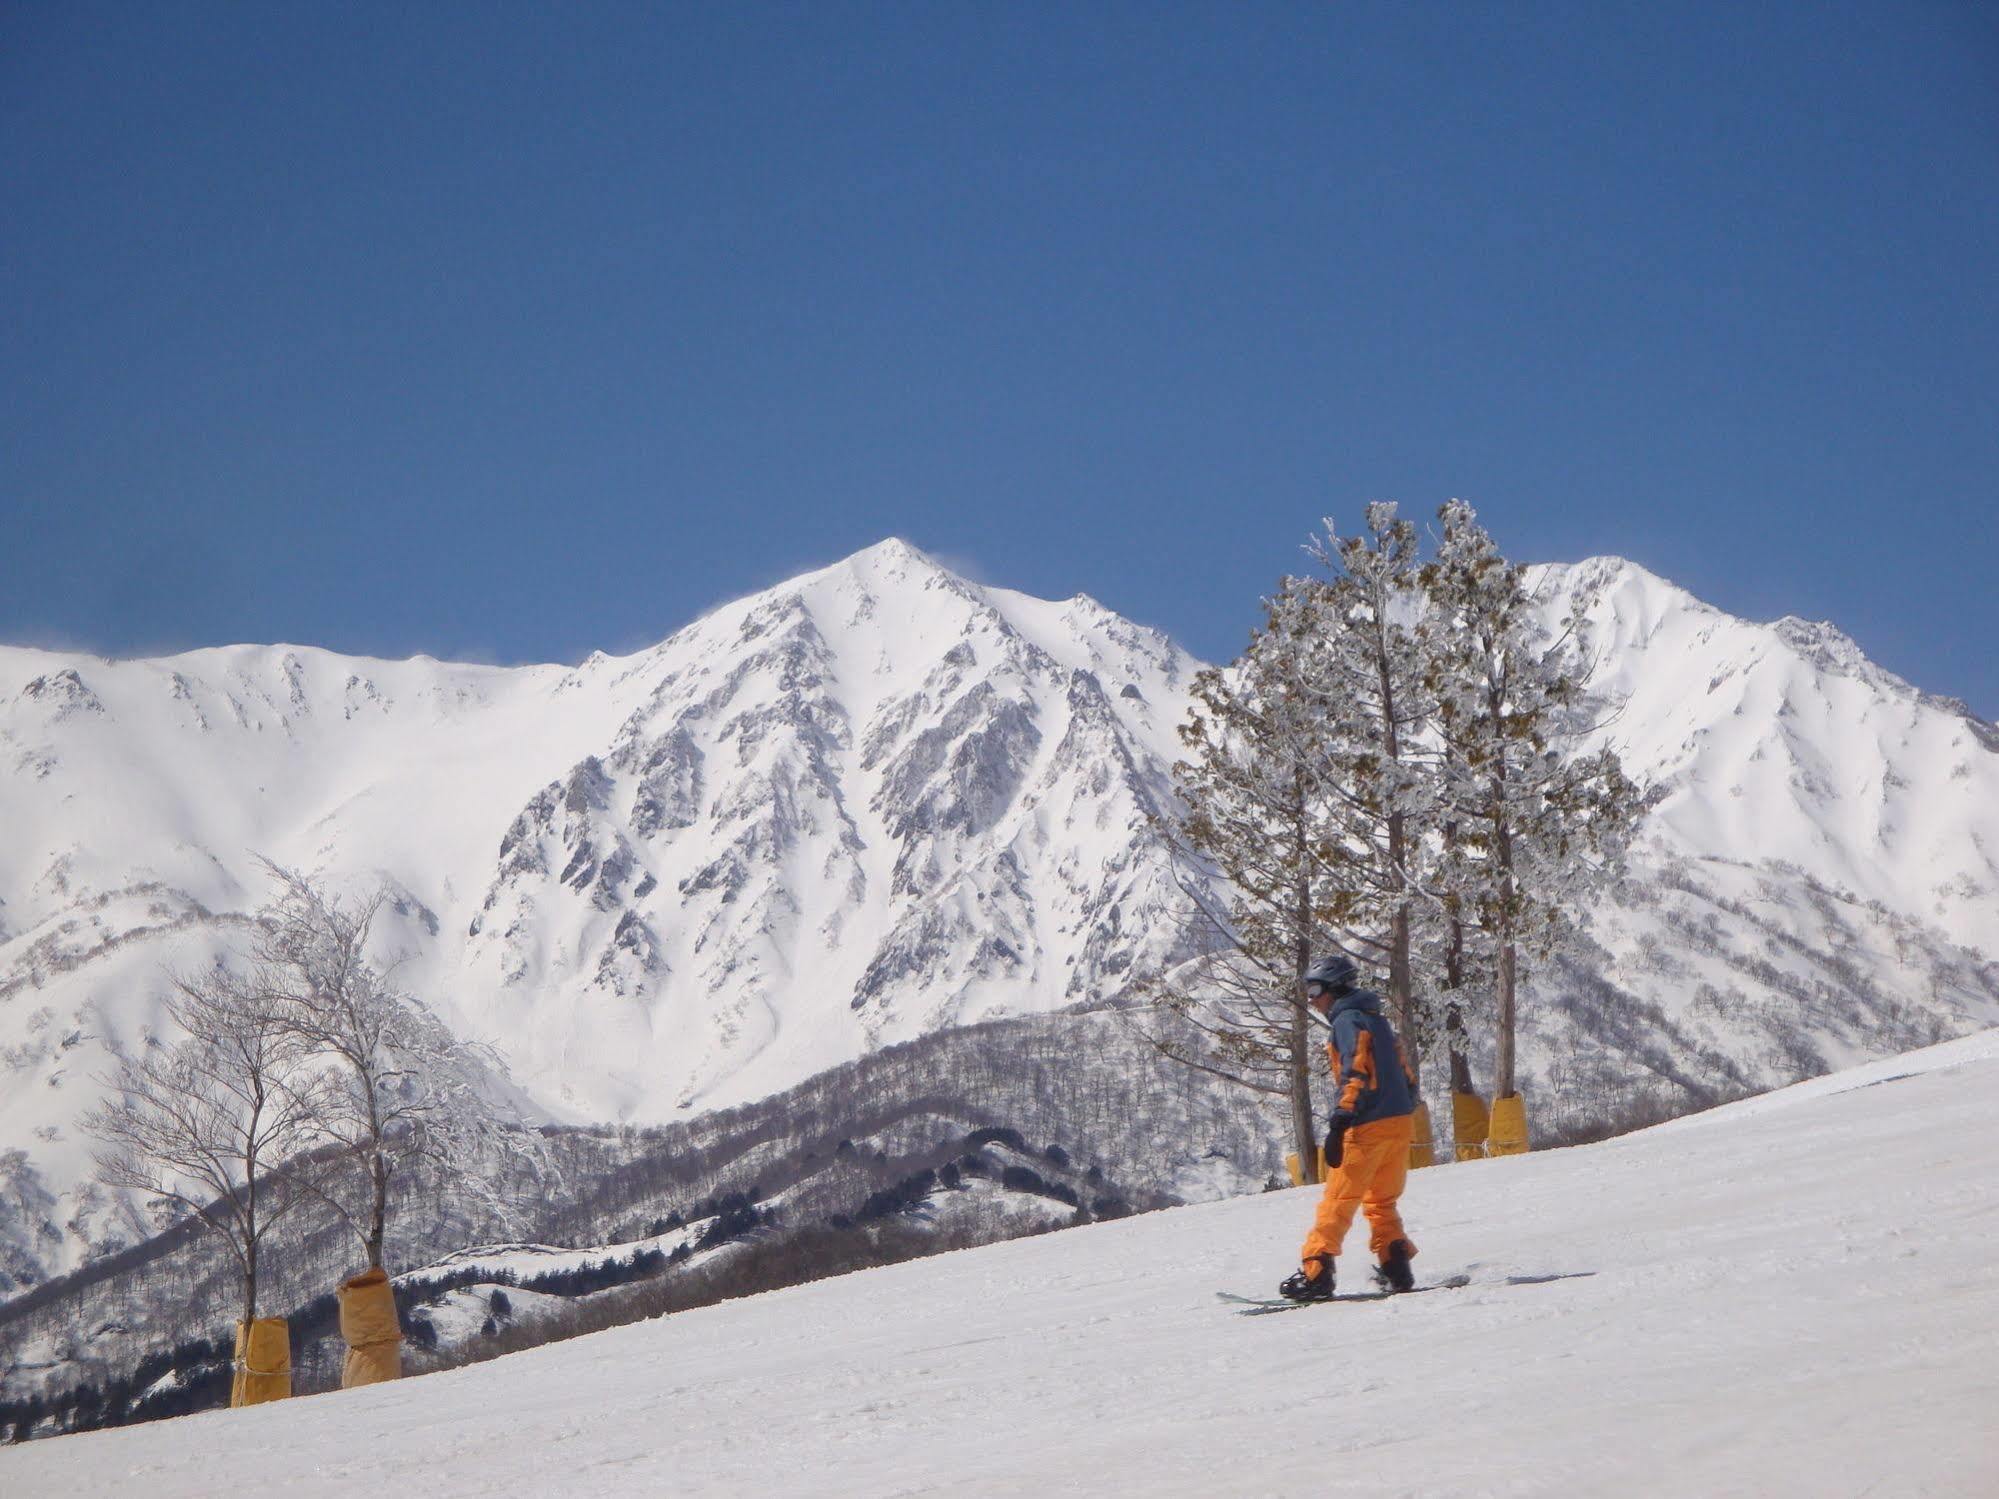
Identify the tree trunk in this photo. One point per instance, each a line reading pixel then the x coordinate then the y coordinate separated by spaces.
pixel 1301 1022
pixel 1461 1079
pixel 251 1225
pixel 1457 1041
pixel 378 1217
pixel 1502 850
pixel 1401 981
pixel 1401 994
pixel 1301 1097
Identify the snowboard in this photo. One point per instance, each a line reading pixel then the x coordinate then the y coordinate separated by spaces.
pixel 1263 1306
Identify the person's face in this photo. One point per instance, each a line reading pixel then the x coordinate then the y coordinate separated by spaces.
pixel 1319 997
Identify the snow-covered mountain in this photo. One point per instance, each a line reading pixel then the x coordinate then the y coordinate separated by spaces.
pixel 1783 742
pixel 849 810
pixel 879 800
pixel 1737 1304
pixel 1819 881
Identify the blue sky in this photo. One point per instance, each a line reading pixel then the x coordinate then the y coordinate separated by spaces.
pixel 520 330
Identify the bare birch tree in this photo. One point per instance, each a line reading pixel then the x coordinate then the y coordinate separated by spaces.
pixel 397 1087
pixel 216 1125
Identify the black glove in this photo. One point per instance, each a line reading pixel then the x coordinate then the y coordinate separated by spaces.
pixel 1336 1135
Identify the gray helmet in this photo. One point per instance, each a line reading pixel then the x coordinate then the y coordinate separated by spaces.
pixel 1336 972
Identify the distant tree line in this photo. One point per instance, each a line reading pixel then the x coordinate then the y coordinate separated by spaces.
pixel 963 1105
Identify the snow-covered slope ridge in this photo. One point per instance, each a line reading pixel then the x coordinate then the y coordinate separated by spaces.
pixel 1784 743
pixel 1819 882
pixel 1792 1296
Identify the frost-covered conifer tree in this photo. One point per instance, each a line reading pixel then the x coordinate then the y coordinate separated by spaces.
pixel 1252 814
pixel 1536 828
pixel 1363 651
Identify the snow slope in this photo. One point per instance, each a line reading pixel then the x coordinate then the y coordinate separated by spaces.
pixel 1795 1295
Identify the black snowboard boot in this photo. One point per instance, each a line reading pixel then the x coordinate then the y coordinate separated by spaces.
pixel 1312 1282
pixel 1393 1273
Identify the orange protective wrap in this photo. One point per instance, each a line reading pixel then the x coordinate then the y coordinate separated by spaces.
pixel 1422 1152
pixel 1508 1131
pixel 263 1362
pixel 368 1324
pixel 1468 1125
pixel 1297 1177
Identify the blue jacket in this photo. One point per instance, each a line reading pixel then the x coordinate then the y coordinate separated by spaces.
pixel 1367 1063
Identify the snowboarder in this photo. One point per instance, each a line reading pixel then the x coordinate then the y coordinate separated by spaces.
pixel 1367 1147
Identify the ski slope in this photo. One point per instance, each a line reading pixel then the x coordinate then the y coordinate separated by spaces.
pixel 1793 1295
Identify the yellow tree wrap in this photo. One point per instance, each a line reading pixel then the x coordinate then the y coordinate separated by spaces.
pixel 368 1324
pixel 1508 1131
pixel 1422 1150
pixel 1468 1125
pixel 263 1362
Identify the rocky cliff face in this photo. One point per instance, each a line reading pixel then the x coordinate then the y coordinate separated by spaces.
pixel 853 809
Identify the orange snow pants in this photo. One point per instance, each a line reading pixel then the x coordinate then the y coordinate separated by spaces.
pixel 1374 1164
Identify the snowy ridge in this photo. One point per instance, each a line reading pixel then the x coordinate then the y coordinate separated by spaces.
pixel 1784 743
pixel 879 800
pixel 1755 1273
pixel 1819 880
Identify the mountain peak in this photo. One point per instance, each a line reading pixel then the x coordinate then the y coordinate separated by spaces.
pixel 891 549
pixel 1605 574
pixel 893 557
pixel 882 567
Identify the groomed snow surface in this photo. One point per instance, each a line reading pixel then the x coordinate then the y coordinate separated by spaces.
pixel 1798 1295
